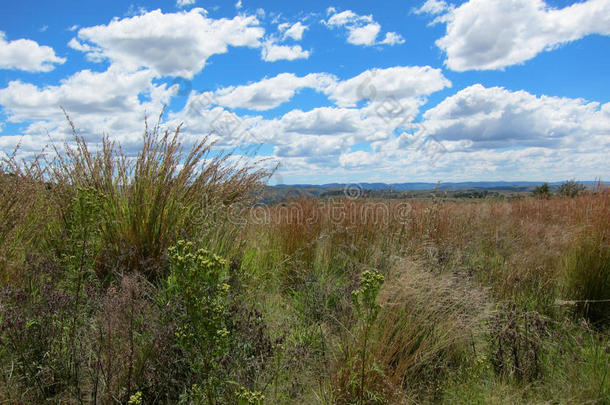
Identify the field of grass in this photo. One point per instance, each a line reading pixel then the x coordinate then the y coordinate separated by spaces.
pixel 160 280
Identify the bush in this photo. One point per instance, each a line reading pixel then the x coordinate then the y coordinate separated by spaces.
pixel 197 283
pixel 571 189
pixel 542 191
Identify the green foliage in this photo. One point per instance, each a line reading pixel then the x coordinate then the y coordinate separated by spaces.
pixel 571 189
pixel 367 310
pixel 245 396
pixel 197 282
pixel 543 191
pixel 135 399
pixel 365 297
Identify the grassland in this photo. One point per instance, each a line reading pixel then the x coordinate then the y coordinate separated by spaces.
pixel 159 280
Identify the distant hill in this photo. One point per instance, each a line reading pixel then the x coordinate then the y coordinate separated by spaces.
pixel 469 189
pixel 486 185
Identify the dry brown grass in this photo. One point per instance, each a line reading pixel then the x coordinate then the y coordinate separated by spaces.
pixel 426 320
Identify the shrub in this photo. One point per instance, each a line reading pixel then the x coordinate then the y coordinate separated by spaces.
pixel 571 189
pixel 197 283
pixel 542 191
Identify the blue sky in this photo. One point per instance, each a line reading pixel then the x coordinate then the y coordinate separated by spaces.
pixel 356 91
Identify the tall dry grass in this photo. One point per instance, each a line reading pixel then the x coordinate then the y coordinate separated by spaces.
pixel 168 190
pixel 24 212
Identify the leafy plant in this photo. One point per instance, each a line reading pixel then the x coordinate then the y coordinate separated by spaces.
pixel 366 309
pixel 197 282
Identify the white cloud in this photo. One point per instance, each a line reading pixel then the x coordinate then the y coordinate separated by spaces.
pixel 433 7
pixel 294 31
pixel 321 135
pixel 27 55
pixel 184 3
pixel 396 83
pixel 365 35
pixel 98 102
pixel 239 4
pixel 174 44
pixel 361 29
pixel 270 93
pixel 494 34
pixel 493 118
pixel 272 52
pixel 358 159
pixel 392 38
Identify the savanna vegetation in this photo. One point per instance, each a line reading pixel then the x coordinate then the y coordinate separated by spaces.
pixel 156 278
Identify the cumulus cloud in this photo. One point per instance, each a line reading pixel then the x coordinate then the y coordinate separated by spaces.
pixel 27 55
pixel 272 52
pixel 397 83
pixel 361 29
pixel 321 135
pixel 270 92
pixel 498 132
pixel 173 44
pixel 494 118
pixel 494 34
pixel 100 102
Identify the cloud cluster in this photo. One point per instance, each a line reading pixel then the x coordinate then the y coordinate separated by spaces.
pixel 270 92
pixel 274 47
pixel 392 98
pixel 494 118
pixel 361 29
pixel 171 44
pixel 494 34
pixel 101 102
pixel 493 129
pixel 399 82
pixel 27 55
